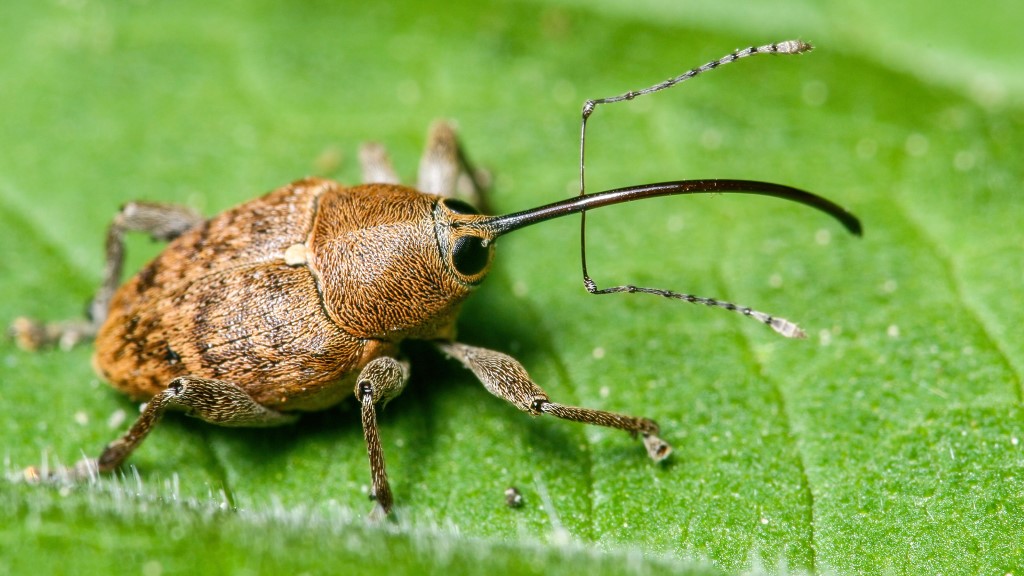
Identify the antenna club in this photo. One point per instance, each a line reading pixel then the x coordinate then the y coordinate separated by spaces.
pixel 792 47
pixel 787 328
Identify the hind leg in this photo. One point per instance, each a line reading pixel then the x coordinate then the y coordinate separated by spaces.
pixel 215 401
pixel 161 221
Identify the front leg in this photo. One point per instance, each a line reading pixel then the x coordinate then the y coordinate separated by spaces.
pixel 506 378
pixel 215 401
pixel 380 381
pixel 445 170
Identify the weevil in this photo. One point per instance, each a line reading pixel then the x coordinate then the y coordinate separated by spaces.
pixel 291 302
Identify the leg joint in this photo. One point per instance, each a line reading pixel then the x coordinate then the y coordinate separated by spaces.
pixel 177 386
pixel 364 388
pixel 538 404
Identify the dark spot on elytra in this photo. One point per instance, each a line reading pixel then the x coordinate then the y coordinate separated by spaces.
pixel 131 325
pixel 146 278
pixel 204 234
pixel 170 356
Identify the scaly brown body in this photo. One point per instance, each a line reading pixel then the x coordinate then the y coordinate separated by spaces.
pixel 288 296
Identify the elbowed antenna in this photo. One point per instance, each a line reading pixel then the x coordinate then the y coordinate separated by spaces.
pixel 496 226
pixel 786 47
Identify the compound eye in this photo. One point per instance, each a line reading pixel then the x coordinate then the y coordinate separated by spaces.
pixel 460 207
pixel 470 255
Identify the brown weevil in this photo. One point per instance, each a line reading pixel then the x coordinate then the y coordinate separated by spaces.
pixel 288 302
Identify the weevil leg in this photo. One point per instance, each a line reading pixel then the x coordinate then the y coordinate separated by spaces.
pixel 376 165
pixel 162 222
pixel 506 378
pixel 445 169
pixel 439 165
pixel 379 381
pixel 215 401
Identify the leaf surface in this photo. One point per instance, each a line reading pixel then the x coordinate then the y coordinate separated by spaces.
pixel 888 441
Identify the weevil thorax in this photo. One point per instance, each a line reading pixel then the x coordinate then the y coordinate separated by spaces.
pixel 390 263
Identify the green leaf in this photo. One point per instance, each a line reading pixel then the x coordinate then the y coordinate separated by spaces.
pixel 888 441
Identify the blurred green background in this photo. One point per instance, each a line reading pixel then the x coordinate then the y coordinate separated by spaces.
pixel 888 441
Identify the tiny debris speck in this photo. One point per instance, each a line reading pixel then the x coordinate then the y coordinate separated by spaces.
pixel 513 497
pixel 116 419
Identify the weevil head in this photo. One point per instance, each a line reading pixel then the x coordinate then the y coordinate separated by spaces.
pixel 394 263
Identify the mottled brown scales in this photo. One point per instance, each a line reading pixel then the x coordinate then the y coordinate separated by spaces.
pixel 295 300
pixel 285 334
